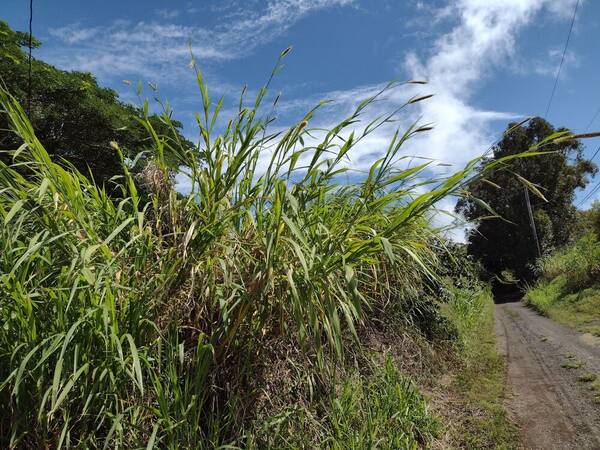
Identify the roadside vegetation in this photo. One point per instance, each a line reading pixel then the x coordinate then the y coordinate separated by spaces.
pixel 269 307
pixel 473 396
pixel 568 290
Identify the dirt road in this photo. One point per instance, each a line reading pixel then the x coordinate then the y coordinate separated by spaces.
pixel 554 410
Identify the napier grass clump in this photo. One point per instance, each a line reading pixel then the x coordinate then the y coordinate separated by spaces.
pixel 147 320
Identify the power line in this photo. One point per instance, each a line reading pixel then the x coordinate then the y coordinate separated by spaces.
pixel 595 153
pixel 589 195
pixel 592 121
pixel 532 222
pixel 562 60
pixel 30 47
pixel 596 188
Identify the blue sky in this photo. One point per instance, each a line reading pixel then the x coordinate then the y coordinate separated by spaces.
pixel 488 61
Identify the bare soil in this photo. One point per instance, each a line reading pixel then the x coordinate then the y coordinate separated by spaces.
pixel 552 408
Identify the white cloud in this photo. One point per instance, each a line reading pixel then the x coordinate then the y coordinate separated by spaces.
pixel 549 65
pixel 168 13
pixel 159 50
pixel 75 33
pixel 483 38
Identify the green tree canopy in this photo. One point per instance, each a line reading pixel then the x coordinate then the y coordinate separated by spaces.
pixel 589 220
pixel 73 117
pixel 507 243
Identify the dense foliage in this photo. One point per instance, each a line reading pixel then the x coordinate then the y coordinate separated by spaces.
pixel 568 289
pixel 589 220
pixel 506 242
pixel 73 117
pixel 579 264
pixel 172 320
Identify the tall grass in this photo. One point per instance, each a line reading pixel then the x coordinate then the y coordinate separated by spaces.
pixel 478 418
pixel 147 319
pixel 579 263
pixel 568 289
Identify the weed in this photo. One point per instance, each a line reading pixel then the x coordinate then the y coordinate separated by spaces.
pixel 595 330
pixel 587 377
pixel 383 410
pixel 480 421
pixel 572 365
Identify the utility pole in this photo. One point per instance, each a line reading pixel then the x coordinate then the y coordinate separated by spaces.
pixel 532 222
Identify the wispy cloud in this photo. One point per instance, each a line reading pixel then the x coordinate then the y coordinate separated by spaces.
pixel 481 35
pixel 484 37
pixel 549 65
pixel 158 50
pixel 168 13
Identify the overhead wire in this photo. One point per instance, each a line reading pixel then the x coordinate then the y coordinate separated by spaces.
pixel 30 48
pixel 595 188
pixel 562 60
pixel 593 120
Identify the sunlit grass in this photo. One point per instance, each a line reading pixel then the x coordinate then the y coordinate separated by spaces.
pixel 143 319
pixel 480 382
pixel 568 289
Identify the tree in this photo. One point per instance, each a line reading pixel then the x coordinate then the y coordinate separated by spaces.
pixel 506 243
pixel 72 116
pixel 589 220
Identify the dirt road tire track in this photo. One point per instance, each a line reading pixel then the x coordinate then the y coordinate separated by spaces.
pixel 552 408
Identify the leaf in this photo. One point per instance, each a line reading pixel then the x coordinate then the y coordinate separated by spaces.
pixel 285 52
pixel 406 173
pixel 153 436
pixel 187 237
pixel 531 186
pixel 485 206
pixel 117 230
pixel 88 275
pixel 299 255
pixel 19 150
pixel 491 183
pixel 22 369
pixel 43 187
pixel 14 210
pixel 68 387
pixel 388 249
pixel 136 363
pixel 419 98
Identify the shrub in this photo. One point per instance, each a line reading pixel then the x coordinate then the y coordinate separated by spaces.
pixel 579 263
